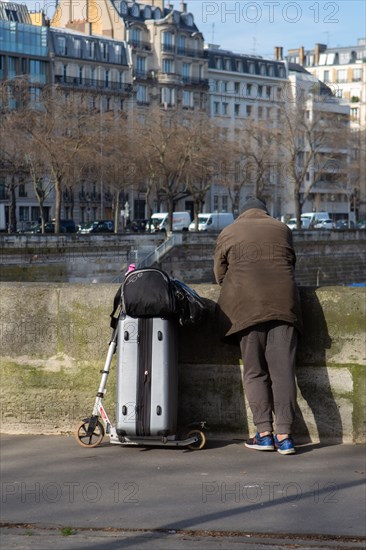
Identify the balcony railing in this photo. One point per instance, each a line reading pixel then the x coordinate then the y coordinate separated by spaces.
pixel 144 75
pixel 140 45
pixel 189 52
pixel 75 81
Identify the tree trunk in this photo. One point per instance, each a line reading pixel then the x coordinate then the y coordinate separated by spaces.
pixel 12 209
pixel 57 205
pixel 298 208
pixel 116 206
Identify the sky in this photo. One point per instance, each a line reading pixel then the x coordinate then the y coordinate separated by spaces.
pixel 256 27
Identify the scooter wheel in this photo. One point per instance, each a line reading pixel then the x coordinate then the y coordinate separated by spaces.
pixel 201 440
pixel 89 440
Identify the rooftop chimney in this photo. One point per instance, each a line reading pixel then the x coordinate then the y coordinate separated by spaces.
pixel 278 53
pixel 302 56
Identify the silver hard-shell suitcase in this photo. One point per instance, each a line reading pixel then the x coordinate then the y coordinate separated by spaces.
pixel 147 377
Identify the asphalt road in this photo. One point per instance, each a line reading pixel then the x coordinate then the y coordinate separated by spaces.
pixel 56 494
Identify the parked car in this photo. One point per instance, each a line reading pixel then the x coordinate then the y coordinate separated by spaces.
pixel 325 224
pixel 361 225
pixel 310 219
pixel 292 223
pixel 138 226
pixel 97 226
pixel 212 221
pixel 343 224
pixel 159 222
pixel 66 226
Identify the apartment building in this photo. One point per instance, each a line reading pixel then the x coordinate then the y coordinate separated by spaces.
pixel 325 182
pixel 343 69
pixel 245 90
pixel 97 68
pixel 167 49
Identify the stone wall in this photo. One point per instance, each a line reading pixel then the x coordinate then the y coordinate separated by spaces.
pixel 323 257
pixel 55 339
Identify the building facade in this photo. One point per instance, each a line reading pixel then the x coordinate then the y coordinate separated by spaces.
pixel 343 69
pixel 132 57
pixel 246 92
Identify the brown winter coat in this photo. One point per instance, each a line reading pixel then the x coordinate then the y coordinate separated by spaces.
pixel 254 264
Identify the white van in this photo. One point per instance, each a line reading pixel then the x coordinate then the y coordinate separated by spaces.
pixel 213 221
pixel 309 219
pixel 159 221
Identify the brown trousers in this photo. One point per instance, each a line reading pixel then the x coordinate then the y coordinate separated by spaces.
pixel 268 351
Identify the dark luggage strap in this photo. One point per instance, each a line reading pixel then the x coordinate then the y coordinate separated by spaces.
pixel 116 305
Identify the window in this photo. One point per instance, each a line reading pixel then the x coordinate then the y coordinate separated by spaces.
pixel 168 66
pixel 263 70
pixel 136 37
pixel 354 112
pixel 342 75
pixel 61 42
pixel 181 44
pixel 22 191
pixel 77 47
pixel 89 47
pixel 216 203
pixel 224 86
pixel 225 108
pixel 80 75
pixel 24 213
pixel 260 91
pixel 239 66
pixel 12 67
pixel 249 110
pixel 249 89
pixel 37 71
pixel 104 51
pixel 357 75
pixel 268 92
pixel 186 71
pixel 187 99
pixel 216 108
pixel 225 203
pixel 106 81
pixel 168 41
pixel 141 94
pixel 167 97
pixel 140 65
pixel 260 112
pixel 237 88
pixel 237 109
pixel 12 15
pixel 251 68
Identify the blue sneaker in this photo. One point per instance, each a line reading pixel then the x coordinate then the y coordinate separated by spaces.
pixel 258 443
pixel 285 447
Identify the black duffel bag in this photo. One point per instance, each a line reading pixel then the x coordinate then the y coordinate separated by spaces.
pixel 148 293
pixel 191 308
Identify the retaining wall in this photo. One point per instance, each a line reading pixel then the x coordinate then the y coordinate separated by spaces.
pixel 55 339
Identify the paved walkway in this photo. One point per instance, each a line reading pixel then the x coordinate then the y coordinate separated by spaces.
pixel 63 496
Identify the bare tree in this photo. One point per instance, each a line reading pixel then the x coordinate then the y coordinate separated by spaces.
pixel 309 136
pixel 168 143
pixel 59 129
pixel 12 162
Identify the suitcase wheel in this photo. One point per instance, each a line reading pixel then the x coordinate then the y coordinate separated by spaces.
pixel 89 438
pixel 201 440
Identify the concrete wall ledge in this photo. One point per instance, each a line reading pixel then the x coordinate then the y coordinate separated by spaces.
pixel 55 339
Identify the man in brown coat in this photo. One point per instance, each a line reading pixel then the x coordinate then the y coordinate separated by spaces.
pixel 259 308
